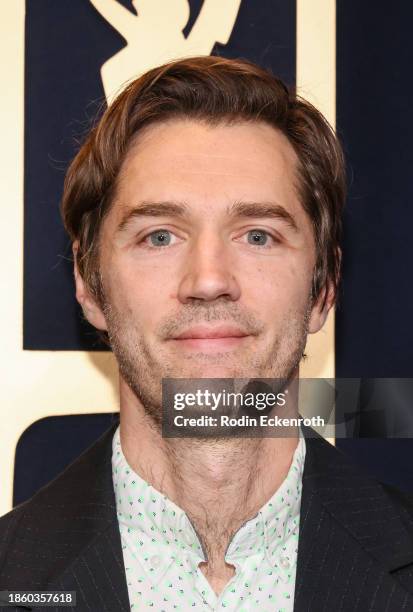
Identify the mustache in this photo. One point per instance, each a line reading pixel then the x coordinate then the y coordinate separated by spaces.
pixel 198 314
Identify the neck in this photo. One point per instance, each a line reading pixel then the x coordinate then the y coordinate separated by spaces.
pixel 219 484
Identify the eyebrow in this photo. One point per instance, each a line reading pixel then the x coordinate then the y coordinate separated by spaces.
pixel 153 209
pixel 262 209
pixel 181 210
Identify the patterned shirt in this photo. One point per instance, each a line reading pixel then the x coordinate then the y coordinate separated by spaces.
pixel 161 549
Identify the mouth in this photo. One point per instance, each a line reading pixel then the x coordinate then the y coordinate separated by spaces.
pixel 210 339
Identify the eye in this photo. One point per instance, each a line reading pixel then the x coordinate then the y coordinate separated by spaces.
pixel 258 237
pixel 158 238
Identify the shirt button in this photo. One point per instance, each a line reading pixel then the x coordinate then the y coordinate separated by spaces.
pixel 155 561
pixel 285 564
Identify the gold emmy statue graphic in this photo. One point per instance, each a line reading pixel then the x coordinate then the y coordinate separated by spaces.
pixel 154 35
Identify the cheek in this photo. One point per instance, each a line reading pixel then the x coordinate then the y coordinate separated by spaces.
pixel 285 286
pixel 140 296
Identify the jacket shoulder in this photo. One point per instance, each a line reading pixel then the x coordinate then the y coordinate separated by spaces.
pixel 9 523
pixel 41 535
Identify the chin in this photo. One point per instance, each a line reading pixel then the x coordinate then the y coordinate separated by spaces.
pixel 216 371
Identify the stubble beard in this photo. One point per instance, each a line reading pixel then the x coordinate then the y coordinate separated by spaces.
pixel 143 371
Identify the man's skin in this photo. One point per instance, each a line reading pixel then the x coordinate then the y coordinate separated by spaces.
pixel 206 272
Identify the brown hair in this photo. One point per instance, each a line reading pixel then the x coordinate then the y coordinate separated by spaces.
pixel 214 90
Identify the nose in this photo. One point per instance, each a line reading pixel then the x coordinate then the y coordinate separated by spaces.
pixel 208 274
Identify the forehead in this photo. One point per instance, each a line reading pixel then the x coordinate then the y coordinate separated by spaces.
pixel 209 167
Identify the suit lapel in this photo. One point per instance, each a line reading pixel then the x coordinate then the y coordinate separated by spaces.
pixel 97 575
pixel 97 571
pixel 351 538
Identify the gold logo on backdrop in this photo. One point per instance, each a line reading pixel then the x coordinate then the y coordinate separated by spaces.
pixel 154 35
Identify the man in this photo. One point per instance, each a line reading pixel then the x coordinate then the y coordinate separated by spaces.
pixel 205 213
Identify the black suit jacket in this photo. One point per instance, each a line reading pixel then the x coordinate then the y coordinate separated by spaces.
pixel 355 546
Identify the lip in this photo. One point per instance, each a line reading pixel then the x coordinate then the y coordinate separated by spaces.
pixel 203 332
pixel 211 339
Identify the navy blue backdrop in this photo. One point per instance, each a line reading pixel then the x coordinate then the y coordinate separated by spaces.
pixel 374 331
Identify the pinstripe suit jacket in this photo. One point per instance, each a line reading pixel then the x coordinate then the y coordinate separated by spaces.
pixel 355 546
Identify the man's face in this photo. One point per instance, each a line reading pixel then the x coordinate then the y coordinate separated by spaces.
pixel 207 237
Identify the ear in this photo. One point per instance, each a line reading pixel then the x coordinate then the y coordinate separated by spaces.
pixel 326 299
pixel 90 307
pixel 321 309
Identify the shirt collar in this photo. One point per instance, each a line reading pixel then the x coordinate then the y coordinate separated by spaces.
pixel 153 523
pixel 148 519
pixel 274 530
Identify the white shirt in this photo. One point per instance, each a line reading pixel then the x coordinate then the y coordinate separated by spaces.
pixel 161 549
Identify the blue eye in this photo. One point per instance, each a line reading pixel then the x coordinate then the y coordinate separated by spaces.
pixel 257 237
pixel 160 238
